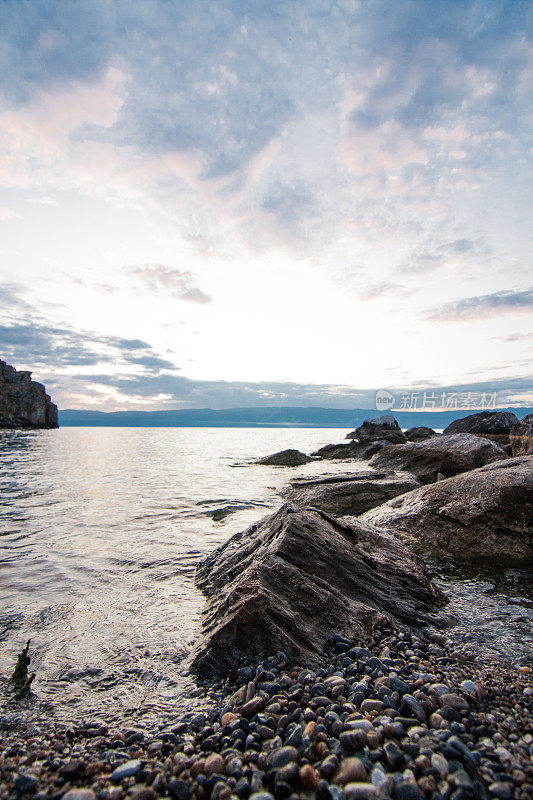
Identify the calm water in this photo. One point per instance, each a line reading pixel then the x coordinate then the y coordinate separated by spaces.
pixel 101 529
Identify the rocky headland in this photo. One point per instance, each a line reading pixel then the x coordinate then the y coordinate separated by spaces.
pixel 23 402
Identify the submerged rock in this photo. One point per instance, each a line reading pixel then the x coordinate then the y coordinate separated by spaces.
pixel 447 455
pixel 485 512
pixel 420 434
pixel 522 437
pixel 380 428
pixel 290 580
pixel 352 493
pixel 23 402
pixel 285 458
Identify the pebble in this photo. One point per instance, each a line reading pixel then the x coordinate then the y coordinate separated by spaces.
pixel 126 770
pixel 393 718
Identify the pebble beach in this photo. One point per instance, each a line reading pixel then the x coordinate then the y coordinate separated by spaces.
pixel 403 717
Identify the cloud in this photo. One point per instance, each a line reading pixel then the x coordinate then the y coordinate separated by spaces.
pixel 484 306
pixel 463 251
pixel 173 391
pixel 378 290
pixel 28 338
pixel 177 283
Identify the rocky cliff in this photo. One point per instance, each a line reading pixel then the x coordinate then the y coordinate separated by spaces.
pixel 23 402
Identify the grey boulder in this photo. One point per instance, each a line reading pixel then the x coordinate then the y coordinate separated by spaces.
pixel 444 455
pixel 296 577
pixel 349 493
pixel 486 512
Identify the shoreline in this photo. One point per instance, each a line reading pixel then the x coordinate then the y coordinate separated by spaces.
pixel 405 717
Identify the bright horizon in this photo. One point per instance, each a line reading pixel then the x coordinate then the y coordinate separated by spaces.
pixel 228 205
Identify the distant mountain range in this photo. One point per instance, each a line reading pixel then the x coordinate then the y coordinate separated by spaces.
pixel 268 417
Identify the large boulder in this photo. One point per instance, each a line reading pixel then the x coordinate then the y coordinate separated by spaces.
pixel 420 434
pixel 294 578
pixel 521 437
pixel 350 493
pixel 494 425
pixel 487 512
pixel 285 458
pixel 444 455
pixel 23 402
pixel 383 428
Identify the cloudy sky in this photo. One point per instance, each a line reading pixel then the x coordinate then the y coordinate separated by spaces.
pixel 230 202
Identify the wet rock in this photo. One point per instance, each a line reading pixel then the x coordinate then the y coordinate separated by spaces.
pixel 23 402
pixel 485 512
pixel 285 458
pixel 447 455
pixel 293 578
pixel 350 493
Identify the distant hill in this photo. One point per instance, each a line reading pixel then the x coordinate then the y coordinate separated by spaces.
pixel 268 417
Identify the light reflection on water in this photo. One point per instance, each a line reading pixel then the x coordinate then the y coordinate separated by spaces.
pixel 100 531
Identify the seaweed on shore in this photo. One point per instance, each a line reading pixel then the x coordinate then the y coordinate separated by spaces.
pixel 21 680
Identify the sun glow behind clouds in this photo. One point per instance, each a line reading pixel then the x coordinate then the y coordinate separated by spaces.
pixel 331 196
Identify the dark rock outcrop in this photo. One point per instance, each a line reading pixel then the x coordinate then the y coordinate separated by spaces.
pixel 383 428
pixel 285 458
pixel 352 493
pixel 23 402
pixel 419 434
pixel 521 437
pixel 494 425
pixel 350 450
pixel 485 512
pixel 447 455
pixel 291 580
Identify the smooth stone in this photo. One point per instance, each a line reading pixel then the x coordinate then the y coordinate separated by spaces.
pixel 126 770
pixel 281 756
pixel 370 706
pixel 350 770
pixel 503 790
pixel 214 764
pixel 26 783
pixel 360 791
pixel 79 794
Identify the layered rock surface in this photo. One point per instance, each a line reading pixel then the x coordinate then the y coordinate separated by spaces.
pixel 23 402
pixel 290 580
pixel 348 493
pixel 521 437
pixel 444 455
pixel 481 513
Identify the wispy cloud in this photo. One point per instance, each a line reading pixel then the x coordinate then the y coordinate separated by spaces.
pixel 488 305
pixel 177 283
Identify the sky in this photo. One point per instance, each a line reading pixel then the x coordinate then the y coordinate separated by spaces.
pixel 228 203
